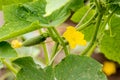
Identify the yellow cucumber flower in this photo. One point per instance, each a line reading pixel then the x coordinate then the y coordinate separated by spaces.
pixel 16 44
pixel 74 37
pixel 109 68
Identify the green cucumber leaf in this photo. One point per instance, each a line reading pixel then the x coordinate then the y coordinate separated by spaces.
pixel 73 67
pixel 13 29
pixel 8 2
pixel 6 51
pixel 34 11
pixel 30 71
pixel 24 18
pixel 76 67
pixel 77 16
pixel 110 43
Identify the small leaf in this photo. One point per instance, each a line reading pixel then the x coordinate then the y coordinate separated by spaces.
pixel 110 43
pixel 75 67
pixel 6 51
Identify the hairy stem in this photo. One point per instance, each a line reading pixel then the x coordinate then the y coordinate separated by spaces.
pixel 54 50
pixel 61 42
pixel 84 16
pixel 52 59
pixel 9 66
pixel 97 2
pixel 51 33
pixel 93 40
pixel 89 22
pixel 46 53
pixel 89 53
pixel 105 23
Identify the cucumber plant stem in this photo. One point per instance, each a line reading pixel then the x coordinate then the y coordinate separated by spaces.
pixel 93 40
pixel 84 16
pixel 46 53
pixel 92 49
pixel 97 2
pixel 52 59
pixel 89 22
pixel 54 50
pixel 105 23
pixel 9 66
pixel 61 41
pixel 51 33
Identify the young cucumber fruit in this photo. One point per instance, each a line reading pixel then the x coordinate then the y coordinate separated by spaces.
pixel 35 40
